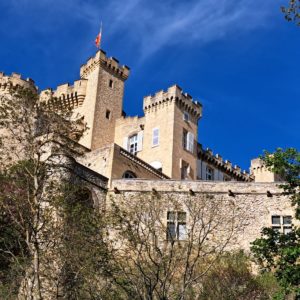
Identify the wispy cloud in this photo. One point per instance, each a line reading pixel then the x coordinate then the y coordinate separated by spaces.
pixel 151 26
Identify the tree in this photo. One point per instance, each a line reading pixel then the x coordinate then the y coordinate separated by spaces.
pixel 162 246
pixel 231 277
pixel 278 252
pixel 35 144
pixel 292 12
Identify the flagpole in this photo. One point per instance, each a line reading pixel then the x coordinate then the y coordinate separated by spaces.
pixel 100 35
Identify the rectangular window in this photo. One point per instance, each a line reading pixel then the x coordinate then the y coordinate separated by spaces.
pixel 111 83
pixel 209 173
pixel 190 141
pixel 176 226
pixel 186 116
pixel 155 137
pixel 133 144
pixel 107 114
pixel 184 172
pixel 282 224
pixel 184 139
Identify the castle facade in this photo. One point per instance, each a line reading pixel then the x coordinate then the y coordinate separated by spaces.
pixel 158 152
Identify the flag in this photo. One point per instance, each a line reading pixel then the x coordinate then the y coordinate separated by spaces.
pixel 98 38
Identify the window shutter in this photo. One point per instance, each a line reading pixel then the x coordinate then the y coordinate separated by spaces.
pixel 125 143
pixel 192 143
pixel 155 137
pixel 189 169
pixel 190 140
pixel 140 141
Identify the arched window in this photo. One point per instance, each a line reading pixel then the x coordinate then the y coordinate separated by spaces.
pixel 128 175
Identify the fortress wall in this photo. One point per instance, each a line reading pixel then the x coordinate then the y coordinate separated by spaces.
pixel 253 207
pixel 7 82
pixel 65 95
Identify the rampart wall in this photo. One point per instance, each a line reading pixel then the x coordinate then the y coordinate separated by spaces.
pixel 7 82
pixel 254 203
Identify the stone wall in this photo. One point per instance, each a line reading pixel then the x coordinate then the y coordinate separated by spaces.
pixel 112 161
pixel 15 80
pixel 165 111
pixel 254 203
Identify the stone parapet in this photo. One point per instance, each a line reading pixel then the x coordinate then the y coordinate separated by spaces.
pixel 210 187
pixel 109 64
pixel 225 165
pixel 15 80
pixel 65 95
pixel 176 95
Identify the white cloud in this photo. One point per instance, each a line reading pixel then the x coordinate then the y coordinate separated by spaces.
pixel 152 25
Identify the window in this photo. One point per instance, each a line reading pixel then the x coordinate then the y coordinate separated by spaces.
pixel 209 173
pixel 111 83
pixel 188 141
pixel 184 172
pixel 184 139
pixel 128 175
pixel 186 116
pixel 133 144
pixel 155 137
pixel 190 145
pixel 107 114
pixel 282 224
pixel 176 226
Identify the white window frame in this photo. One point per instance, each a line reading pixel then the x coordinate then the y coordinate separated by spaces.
pixel 155 137
pixel 133 144
pixel 282 226
pixel 178 221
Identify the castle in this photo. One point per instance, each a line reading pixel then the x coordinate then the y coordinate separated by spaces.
pixel 159 151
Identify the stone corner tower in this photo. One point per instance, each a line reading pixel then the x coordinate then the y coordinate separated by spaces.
pixel 175 116
pixel 103 103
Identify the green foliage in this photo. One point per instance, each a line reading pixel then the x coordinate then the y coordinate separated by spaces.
pixel 232 278
pixel 276 252
pixel 280 253
pixel 292 12
pixel 83 248
pixel 286 163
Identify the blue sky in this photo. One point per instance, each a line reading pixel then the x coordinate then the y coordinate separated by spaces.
pixel 240 58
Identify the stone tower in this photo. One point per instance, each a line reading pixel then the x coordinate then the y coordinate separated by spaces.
pixel 261 173
pixel 97 96
pixel 103 102
pixel 173 116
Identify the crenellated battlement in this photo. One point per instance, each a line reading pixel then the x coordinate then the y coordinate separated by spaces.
pixel 65 95
pixel 15 80
pixel 225 165
pixel 176 95
pixel 109 64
